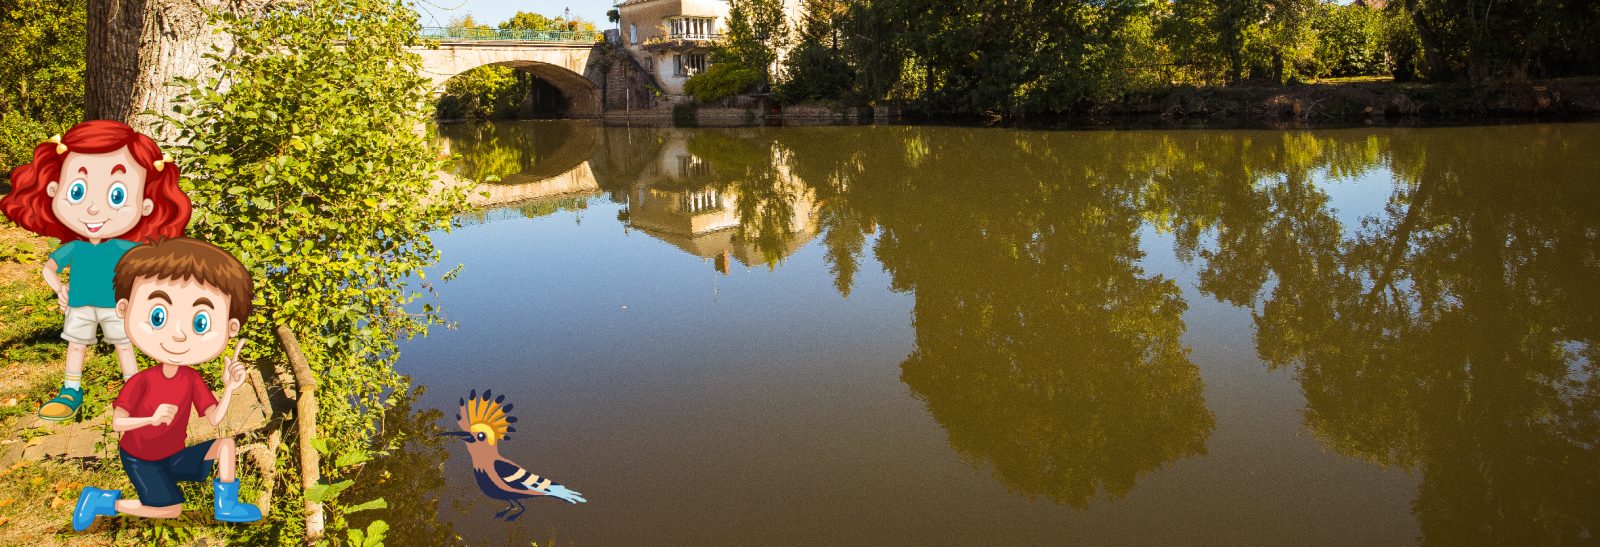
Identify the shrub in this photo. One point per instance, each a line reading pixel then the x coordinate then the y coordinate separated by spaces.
pixel 722 81
pixel 312 169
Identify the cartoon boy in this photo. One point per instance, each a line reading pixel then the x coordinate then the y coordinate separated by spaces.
pixel 170 294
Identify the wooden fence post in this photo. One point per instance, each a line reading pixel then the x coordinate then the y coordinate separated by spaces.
pixel 306 419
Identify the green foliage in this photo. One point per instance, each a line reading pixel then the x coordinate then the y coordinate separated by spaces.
pixel 312 169
pixel 1018 58
pixel 1350 41
pixel 532 21
pixel 816 68
pixel 722 81
pixel 1402 45
pixel 373 536
pixel 757 30
pixel 1537 38
pixel 486 92
pixel 41 74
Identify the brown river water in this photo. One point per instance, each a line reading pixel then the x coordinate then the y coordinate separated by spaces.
pixel 903 335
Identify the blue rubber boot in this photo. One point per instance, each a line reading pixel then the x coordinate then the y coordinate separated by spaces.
pixel 94 502
pixel 226 505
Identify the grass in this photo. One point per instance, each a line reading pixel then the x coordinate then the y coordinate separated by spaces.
pixel 36 498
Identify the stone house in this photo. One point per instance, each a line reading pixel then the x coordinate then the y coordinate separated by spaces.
pixel 672 39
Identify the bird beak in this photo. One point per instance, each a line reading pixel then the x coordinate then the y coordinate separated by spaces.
pixel 461 434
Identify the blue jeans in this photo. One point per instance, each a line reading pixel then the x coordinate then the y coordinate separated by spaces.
pixel 157 480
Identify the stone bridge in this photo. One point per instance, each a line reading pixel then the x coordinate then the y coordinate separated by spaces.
pixel 573 62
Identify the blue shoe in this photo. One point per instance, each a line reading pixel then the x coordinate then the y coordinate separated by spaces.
pixel 226 505
pixel 94 502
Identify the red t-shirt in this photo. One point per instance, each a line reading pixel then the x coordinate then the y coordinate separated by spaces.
pixel 149 389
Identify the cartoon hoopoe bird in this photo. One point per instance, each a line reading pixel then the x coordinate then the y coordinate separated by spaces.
pixel 484 423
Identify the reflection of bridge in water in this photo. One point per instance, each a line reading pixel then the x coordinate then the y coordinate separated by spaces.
pixel 668 192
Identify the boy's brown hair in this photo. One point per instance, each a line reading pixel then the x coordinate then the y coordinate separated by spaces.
pixel 181 258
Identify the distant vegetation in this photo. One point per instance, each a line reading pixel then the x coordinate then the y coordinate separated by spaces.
pixel 1017 58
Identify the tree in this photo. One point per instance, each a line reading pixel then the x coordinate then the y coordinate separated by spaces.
pixel 816 68
pixel 1350 41
pixel 757 30
pixel 311 167
pixel 1535 38
pixel 528 21
pixel 533 21
pixel 41 74
pixel 136 47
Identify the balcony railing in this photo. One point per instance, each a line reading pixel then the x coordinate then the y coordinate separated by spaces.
pixel 449 34
pixel 701 36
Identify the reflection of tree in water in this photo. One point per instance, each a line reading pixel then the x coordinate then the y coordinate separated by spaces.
pixel 1454 334
pixel 765 196
pixel 408 474
pixel 500 150
pixel 1041 346
pixel 828 170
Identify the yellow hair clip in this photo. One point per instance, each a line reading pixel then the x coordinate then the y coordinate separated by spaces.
pixel 60 148
pixel 162 163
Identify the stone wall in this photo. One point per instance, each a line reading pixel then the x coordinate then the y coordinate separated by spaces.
pixel 626 85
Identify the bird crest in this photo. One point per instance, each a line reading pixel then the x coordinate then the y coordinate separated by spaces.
pixel 489 417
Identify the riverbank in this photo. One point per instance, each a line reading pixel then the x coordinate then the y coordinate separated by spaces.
pixel 1348 102
pixel 1372 100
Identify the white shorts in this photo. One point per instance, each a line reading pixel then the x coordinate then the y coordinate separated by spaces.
pixel 81 322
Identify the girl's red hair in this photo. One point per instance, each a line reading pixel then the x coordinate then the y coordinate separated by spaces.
pixel 29 206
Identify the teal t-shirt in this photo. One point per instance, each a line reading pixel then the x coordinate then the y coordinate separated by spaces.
pixel 92 268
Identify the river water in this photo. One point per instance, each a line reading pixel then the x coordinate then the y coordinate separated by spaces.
pixel 898 335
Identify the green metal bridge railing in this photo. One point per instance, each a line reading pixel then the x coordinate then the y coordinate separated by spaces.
pixel 448 34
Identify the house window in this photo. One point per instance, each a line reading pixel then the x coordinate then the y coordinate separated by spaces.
pixel 633 33
pixel 690 64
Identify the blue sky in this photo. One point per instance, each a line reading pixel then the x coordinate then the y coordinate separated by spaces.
pixel 492 12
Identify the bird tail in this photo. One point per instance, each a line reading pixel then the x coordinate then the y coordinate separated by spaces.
pixel 563 493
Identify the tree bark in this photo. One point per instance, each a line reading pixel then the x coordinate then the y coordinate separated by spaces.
pixel 135 48
pixel 306 419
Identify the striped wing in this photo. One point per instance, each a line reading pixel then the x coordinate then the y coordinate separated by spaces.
pixel 518 477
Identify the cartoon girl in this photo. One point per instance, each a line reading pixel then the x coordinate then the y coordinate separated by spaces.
pixel 101 189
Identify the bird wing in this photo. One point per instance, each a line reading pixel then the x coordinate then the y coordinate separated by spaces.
pixel 516 477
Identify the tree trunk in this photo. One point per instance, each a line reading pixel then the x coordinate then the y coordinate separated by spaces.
pixel 1438 69
pixel 136 48
pixel 306 419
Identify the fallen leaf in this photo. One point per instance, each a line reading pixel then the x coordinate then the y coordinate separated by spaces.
pixel 7 502
pixel 57 503
pixel 4 520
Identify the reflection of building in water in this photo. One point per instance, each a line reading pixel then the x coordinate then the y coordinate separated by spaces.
pixel 682 200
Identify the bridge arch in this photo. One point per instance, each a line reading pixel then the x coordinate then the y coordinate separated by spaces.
pixel 564 66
